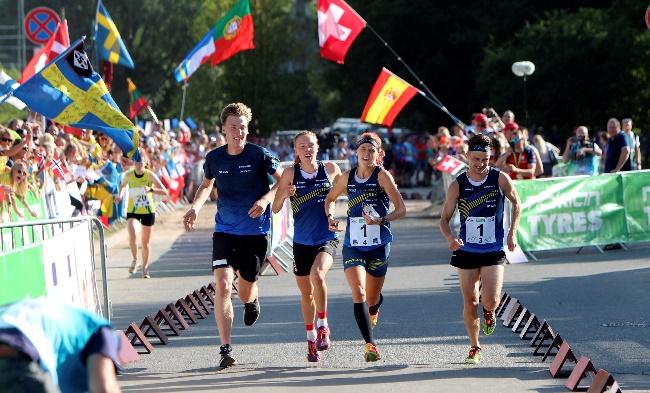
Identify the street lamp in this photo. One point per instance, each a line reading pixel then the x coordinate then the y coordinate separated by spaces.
pixel 523 69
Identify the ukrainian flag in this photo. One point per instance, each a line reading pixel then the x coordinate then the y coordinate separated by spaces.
pixel 69 92
pixel 110 46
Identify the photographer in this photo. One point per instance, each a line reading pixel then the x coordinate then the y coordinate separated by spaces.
pixel 581 153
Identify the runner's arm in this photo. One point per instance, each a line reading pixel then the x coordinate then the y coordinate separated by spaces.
pixel 202 194
pixel 283 192
pixel 259 207
pixel 387 182
pixel 510 192
pixel 448 211
pixel 333 171
pixel 160 190
pixel 338 189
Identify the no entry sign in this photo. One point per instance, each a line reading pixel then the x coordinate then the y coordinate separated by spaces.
pixel 647 17
pixel 40 24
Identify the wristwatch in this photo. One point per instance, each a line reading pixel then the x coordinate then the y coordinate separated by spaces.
pixel 383 221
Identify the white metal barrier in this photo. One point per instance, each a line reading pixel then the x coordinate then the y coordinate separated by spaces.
pixel 62 240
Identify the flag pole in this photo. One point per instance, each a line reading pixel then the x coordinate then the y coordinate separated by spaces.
pixel 152 113
pixel 183 101
pixel 433 99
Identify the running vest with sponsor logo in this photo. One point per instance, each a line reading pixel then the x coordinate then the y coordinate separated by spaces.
pixel 310 221
pixel 140 196
pixel 481 213
pixel 358 234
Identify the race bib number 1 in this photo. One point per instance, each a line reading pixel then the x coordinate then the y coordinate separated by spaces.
pixel 362 234
pixel 480 230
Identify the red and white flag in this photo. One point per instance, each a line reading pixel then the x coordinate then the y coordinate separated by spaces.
pixel 338 27
pixel 59 42
pixel 451 165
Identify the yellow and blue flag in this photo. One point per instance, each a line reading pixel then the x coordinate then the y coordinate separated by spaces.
pixel 68 91
pixel 110 46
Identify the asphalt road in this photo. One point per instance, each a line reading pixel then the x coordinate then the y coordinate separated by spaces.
pixel 597 302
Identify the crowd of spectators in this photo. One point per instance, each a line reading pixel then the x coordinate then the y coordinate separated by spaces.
pixel 52 161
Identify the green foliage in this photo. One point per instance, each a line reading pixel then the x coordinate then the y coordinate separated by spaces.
pixel 591 59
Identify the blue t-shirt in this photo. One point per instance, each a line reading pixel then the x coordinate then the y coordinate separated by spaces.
pixel 310 221
pixel 241 180
pixel 59 333
pixel 481 213
pixel 357 234
pixel 614 147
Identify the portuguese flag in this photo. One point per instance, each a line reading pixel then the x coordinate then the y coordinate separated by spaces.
pixel 231 34
pixel 138 103
pixel 388 96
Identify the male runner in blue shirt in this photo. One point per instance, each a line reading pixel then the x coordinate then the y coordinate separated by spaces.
pixel 239 171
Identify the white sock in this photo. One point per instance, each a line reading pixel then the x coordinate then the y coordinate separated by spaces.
pixel 311 335
pixel 321 322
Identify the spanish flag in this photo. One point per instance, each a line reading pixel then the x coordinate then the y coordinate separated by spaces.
pixel 387 98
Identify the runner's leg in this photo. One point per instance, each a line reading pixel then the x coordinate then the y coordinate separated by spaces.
pixel 133 245
pixel 146 247
pixel 469 281
pixel 222 302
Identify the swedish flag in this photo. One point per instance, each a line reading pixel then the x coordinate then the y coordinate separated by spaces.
pixel 109 44
pixel 69 92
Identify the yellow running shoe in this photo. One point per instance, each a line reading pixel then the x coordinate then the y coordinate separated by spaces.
pixel 374 319
pixel 370 353
pixel 474 356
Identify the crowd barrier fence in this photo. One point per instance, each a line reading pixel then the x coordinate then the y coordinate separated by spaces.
pixel 56 259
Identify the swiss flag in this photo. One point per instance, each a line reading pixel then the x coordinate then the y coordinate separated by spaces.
pixel 59 42
pixel 338 27
pixel 451 165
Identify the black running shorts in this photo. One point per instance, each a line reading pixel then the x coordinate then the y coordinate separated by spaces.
pixel 244 253
pixel 146 220
pixel 304 256
pixel 474 260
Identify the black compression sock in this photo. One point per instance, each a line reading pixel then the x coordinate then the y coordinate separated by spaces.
pixel 363 321
pixel 373 309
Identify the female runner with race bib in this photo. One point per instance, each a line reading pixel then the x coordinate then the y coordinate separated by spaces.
pixel 370 189
pixel 142 185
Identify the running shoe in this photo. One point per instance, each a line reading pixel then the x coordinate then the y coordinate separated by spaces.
pixel 374 319
pixel 370 353
pixel 312 352
pixel 474 356
pixel 134 267
pixel 251 312
pixel 226 356
pixel 145 272
pixel 323 338
pixel 489 323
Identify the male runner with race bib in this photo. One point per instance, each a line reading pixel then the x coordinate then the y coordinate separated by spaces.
pixel 478 251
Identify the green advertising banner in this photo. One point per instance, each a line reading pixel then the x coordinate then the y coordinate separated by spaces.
pixel 636 194
pixel 571 212
pixel 22 274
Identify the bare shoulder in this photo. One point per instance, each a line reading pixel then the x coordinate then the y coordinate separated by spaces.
pixel 332 168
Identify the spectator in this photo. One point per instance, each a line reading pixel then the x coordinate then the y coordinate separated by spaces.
pixel 618 150
pixel 15 188
pixel 508 117
pixel 52 347
pixel 548 152
pixel 634 143
pixel 509 130
pixel 539 168
pixel 581 153
pixel 519 160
